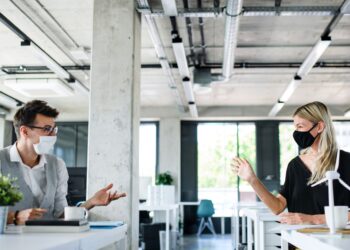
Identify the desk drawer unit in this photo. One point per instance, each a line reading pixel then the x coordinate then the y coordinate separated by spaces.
pixel 272 240
pixel 270 225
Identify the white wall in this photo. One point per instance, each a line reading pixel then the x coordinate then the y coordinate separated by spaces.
pixel 169 149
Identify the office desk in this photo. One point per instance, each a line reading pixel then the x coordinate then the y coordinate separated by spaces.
pixel 93 239
pixel 313 241
pixel 167 209
pixel 235 227
pixel 222 214
pixel 262 237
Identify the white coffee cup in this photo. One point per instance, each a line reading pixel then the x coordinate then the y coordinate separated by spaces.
pixel 75 213
pixel 340 216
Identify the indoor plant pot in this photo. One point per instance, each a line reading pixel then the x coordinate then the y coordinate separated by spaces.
pixel 9 195
pixel 166 190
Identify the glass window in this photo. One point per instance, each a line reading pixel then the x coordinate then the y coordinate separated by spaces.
pixel 65 146
pixel 148 150
pixel 147 157
pixel 247 150
pixel 217 145
pixel 288 147
pixel 82 142
pixel 342 131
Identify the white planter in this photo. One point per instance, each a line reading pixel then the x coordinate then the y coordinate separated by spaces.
pixel 153 196
pixel 160 195
pixel 167 194
pixel 3 218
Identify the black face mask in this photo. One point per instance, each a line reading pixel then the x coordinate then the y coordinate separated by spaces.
pixel 304 139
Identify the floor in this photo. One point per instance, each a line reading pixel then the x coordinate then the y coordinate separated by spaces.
pixel 206 242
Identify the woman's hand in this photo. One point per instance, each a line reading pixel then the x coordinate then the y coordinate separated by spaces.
pixel 242 168
pixel 103 197
pixel 29 214
pixel 299 218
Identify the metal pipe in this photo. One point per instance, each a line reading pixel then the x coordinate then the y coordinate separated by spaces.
pixel 250 11
pixel 201 31
pixel 23 69
pixel 189 34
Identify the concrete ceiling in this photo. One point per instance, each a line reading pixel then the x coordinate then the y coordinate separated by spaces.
pixel 274 39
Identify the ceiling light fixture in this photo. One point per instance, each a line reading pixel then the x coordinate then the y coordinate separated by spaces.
pixel 169 7
pixel 31 87
pixel 187 85
pixel 314 56
pixel 290 88
pixel 276 108
pixel 180 55
pixel 193 109
pixel 48 60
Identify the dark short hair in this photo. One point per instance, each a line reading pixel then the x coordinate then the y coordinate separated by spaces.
pixel 26 115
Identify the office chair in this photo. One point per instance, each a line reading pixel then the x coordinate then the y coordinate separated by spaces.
pixel 205 212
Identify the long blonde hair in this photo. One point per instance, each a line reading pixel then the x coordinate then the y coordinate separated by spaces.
pixel 316 112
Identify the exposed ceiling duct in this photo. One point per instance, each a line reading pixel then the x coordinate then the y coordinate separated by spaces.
pixel 233 10
pixel 158 46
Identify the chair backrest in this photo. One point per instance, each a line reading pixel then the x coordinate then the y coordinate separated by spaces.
pixel 205 208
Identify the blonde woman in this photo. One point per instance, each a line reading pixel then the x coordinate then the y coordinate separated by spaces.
pixel 315 135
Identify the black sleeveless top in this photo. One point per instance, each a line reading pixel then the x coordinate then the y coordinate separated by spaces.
pixel 302 198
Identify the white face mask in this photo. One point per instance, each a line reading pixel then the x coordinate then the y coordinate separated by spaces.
pixel 45 144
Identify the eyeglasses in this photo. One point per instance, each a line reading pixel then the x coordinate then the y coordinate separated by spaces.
pixel 47 129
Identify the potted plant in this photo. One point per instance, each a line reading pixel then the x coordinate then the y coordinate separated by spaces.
pixel 166 189
pixel 164 179
pixel 9 195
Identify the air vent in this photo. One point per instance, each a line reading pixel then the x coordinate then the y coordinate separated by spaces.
pixel 40 87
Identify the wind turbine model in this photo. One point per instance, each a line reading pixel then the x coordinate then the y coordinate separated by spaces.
pixel 330 176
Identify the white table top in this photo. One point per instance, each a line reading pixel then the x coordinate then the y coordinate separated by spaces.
pixel 249 204
pixel 146 207
pixel 93 239
pixel 262 214
pixel 316 241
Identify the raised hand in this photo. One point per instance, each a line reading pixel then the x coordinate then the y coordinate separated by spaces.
pixel 243 169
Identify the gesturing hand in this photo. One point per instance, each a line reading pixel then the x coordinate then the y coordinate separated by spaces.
pixel 104 196
pixel 29 214
pixel 242 168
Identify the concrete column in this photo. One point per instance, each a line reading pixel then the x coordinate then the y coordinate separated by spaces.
pixel 169 149
pixel 114 110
